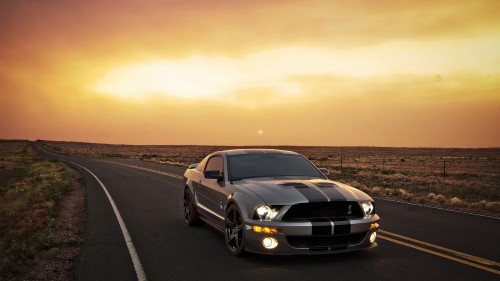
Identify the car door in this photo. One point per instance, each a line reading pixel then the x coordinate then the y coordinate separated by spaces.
pixel 210 193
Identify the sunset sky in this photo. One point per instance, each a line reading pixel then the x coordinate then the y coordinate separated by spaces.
pixel 332 73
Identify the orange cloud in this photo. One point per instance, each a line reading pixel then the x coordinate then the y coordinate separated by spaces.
pixel 381 73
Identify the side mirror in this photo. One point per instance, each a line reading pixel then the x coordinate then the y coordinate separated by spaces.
pixel 213 174
pixel 324 171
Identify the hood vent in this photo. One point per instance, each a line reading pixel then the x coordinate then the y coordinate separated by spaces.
pixel 295 184
pixel 326 184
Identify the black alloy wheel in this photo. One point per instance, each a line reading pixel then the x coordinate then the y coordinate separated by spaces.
pixel 235 231
pixel 190 214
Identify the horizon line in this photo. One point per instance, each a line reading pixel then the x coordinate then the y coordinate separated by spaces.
pixel 262 145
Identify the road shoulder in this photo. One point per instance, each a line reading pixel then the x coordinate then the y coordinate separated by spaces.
pixel 58 262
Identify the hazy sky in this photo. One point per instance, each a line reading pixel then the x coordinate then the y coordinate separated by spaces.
pixel 374 73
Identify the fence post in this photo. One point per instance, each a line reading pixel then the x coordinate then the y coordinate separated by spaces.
pixel 444 167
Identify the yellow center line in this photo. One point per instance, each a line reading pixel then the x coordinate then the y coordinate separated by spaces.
pixel 441 255
pixel 457 253
pixel 147 170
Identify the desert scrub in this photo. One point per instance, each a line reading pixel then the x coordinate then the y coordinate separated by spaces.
pixel 30 192
pixel 469 195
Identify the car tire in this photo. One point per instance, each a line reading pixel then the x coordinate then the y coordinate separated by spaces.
pixel 234 231
pixel 191 216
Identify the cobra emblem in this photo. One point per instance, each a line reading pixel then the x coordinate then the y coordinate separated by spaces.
pixel 349 210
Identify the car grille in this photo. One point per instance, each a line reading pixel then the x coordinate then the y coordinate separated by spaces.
pixel 323 210
pixel 337 241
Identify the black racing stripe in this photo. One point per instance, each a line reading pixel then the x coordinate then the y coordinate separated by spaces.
pixel 331 190
pixel 321 227
pixel 311 194
pixel 341 226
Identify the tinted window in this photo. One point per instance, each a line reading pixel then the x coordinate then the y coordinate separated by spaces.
pixel 270 165
pixel 215 163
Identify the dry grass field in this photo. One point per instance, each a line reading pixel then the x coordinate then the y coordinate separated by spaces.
pixel 462 179
pixel 31 192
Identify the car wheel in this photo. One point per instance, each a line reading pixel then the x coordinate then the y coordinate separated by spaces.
pixel 190 215
pixel 235 231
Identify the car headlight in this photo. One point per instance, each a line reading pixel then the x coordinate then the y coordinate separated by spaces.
pixel 266 213
pixel 368 208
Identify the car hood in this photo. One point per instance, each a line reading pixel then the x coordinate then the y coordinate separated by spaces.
pixel 283 192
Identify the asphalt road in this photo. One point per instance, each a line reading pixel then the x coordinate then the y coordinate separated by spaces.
pixel 415 243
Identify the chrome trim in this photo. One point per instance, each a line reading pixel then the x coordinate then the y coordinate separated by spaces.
pixel 210 211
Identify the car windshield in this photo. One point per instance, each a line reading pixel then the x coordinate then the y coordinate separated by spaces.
pixel 246 166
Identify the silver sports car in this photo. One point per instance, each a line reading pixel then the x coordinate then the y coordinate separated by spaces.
pixel 277 202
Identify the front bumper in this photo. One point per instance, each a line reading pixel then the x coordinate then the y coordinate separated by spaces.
pixel 313 237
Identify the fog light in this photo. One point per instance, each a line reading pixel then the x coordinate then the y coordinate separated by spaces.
pixel 373 237
pixel 269 243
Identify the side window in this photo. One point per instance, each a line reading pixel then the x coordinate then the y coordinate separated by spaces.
pixel 201 166
pixel 215 163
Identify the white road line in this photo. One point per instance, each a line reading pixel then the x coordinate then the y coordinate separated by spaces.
pixel 141 275
pixel 436 208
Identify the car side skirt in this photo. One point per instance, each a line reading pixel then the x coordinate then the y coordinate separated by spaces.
pixel 210 217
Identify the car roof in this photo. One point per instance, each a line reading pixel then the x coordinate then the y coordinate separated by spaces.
pixel 256 151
